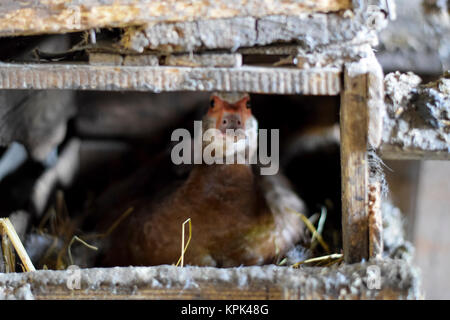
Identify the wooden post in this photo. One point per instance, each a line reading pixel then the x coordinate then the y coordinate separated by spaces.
pixel 354 168
pixel 361 126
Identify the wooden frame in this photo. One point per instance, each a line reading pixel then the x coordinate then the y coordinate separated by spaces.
pixel 360 119
pixel 326 81
pixel 170 282
pixel 354 74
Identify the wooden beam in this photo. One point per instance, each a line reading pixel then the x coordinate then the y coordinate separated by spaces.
pixel 396 152
pixel 354 165
pixel 29 17
pixel 362 112
pixel 398 280
pixel 324 81
pixel 231 60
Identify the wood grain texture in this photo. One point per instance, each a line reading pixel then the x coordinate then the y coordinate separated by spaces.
pixel 308 30
pixel 157 79
pixel 375 100
pixel 399 281
pixel 362 112
pixel 232 60
pixel 354 165
pixel 396 152
pixel 28 17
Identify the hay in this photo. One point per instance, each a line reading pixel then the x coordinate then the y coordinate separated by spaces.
pixel 76 238
pixel 184 247
pixel 8 232
pixel 331 259
pixel 320 225
pixel 311 228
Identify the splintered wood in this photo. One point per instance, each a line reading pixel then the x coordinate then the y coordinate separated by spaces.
pixel 28 17
pixel 361 126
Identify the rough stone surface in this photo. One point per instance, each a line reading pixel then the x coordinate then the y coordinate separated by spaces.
pixel 398 280
pixel 205 60
pixel 325 81
pixel 307 30
pixel 417 122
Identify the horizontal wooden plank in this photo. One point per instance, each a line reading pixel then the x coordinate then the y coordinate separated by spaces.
pixel 28 17
pixel 385 279
pixel 395 152
pixel 274 80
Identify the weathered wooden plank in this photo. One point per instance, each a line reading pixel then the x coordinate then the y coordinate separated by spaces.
pixel 398 280
pixel 307 30
pixel 141 60
pixel 396 152
pixel 156 79
pixel 375 99
pixel 105 59
pixel 116 59
pixel 354 164
pixel 362 112
pixel 232 60
pixel 57 16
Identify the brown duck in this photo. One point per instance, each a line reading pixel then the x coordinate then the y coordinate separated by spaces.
pixel 238 216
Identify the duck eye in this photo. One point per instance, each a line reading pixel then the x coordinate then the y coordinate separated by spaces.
pixel 211 103
pixel 248 105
